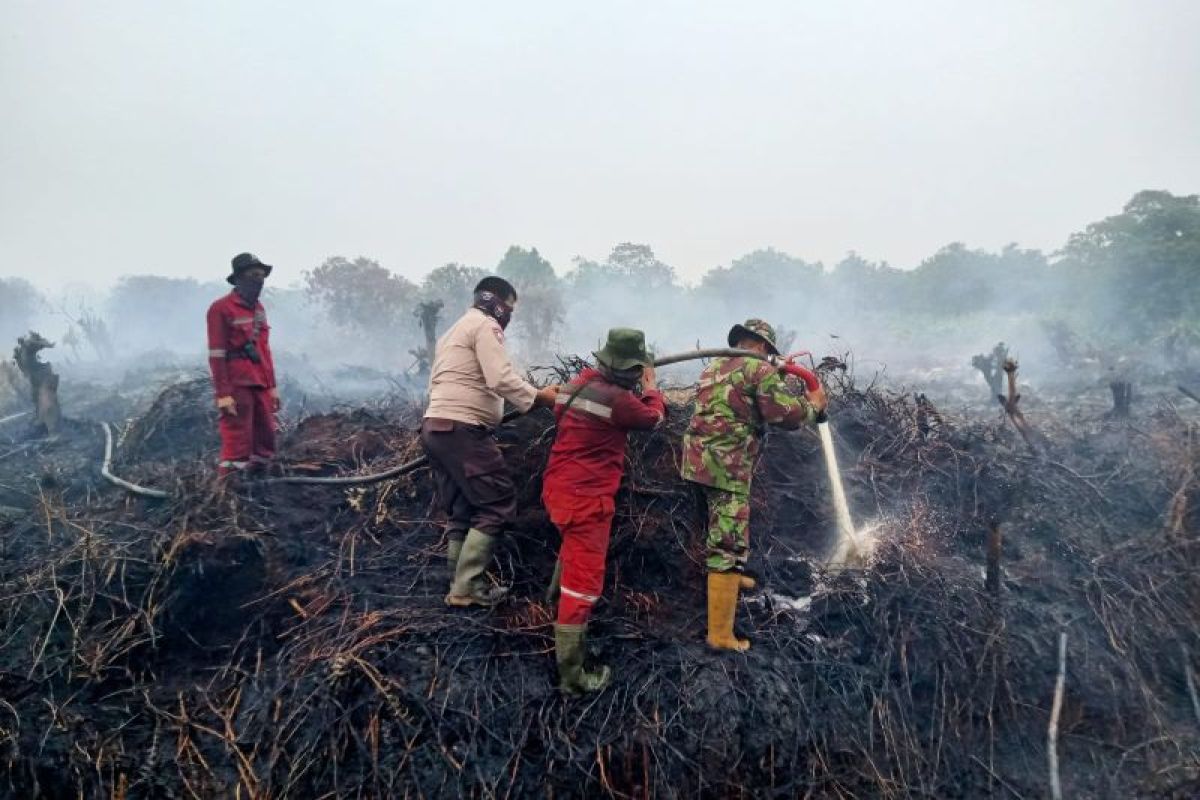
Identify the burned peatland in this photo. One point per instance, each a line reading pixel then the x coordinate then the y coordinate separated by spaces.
pixel 292 641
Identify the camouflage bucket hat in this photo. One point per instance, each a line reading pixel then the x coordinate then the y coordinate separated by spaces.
pixel 757 329
pixel 625 349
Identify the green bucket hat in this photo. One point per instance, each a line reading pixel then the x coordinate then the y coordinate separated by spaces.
pixel 625 349
pixel 757 329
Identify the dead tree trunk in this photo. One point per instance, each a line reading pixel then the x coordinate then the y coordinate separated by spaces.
pixel 1010 405
pixel 992 368
pixel 1122 392
pixel 43 382
pixel 427 314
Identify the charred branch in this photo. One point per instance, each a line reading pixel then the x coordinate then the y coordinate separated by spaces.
pixel 43 381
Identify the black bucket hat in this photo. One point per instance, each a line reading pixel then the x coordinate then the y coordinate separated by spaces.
pixel 244 261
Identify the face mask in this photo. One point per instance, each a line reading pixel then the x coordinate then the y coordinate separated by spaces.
pixel 625 378
pixel 249 289
pixel 494 307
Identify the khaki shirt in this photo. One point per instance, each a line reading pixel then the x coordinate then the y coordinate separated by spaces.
pixel 471 376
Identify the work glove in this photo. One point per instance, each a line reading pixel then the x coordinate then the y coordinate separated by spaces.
pixel 276 400
pixel 227 405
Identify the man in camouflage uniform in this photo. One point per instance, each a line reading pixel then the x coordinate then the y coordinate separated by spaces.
pixel 736 400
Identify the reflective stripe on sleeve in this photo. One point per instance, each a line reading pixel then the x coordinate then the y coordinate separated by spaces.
pixel 242 321
pixel 587 598
pixel 216 353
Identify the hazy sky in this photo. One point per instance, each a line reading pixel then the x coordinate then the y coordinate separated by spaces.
pixel 166 136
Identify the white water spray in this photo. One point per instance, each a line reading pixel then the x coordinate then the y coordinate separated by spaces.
pixel 850 550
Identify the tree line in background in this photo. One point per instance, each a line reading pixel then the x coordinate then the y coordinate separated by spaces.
pixel 1132 279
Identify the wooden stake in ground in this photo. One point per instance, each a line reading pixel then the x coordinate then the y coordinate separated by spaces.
pixel 1055 710
pixel 993 559
pixel 1177 509
pixel 43 382
pixel 1191 680
pixel 1122 392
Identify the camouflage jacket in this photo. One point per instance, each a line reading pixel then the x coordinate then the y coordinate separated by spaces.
pixel 736 399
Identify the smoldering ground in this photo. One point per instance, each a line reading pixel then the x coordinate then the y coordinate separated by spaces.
pixel 292 640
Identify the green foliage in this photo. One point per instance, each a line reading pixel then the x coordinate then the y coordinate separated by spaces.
pixel 957 280
pixel 526 269
pixel 540 308
pixel 760 276
pixel 856 282
pixel 362 296
pixel 452 284
pixel 1141 268
pixel 630 267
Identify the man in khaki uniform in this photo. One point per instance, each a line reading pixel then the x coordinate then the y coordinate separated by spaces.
pixel 469 381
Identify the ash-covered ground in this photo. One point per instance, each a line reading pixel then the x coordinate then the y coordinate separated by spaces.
pixel 291 641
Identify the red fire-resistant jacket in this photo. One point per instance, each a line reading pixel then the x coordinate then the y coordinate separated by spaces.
pixel 588 456
pixel 230 325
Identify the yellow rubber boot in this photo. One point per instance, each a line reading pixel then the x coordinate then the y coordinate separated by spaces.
pixel 722 605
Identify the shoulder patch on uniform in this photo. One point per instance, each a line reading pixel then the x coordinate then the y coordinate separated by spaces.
pixel 497 331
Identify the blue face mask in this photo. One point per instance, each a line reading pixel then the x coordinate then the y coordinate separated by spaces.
pixel 490 304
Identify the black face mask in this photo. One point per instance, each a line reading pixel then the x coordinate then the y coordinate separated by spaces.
pixel 625 378
pixel 249 289
pixel 494 307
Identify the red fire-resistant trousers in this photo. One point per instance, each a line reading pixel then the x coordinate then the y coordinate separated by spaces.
pixel 248 437
pixel 585 524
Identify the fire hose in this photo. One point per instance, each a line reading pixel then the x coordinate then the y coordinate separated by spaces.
pixel 850 548
pixel 106 470
pixel 811 383
pixel 784 363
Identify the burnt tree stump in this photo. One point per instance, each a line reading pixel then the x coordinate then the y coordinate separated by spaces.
pixel 1122 393
pixel 991 366
pixel 43 382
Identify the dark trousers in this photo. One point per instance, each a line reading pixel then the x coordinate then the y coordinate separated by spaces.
pixel 471 482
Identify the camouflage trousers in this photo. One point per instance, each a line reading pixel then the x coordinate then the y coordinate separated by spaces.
pixel 728 541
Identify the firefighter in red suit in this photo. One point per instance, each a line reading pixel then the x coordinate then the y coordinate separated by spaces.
pixel 595 412
pixel 239 355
